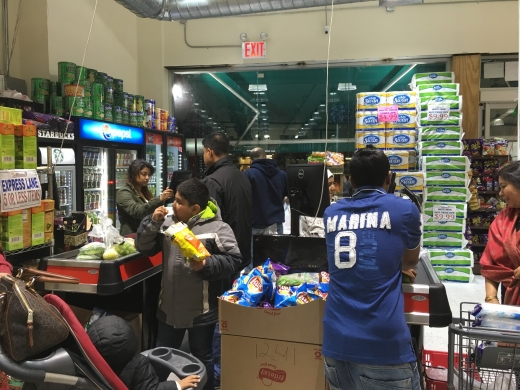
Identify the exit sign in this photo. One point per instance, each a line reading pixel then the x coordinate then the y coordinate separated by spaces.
pixel 253 50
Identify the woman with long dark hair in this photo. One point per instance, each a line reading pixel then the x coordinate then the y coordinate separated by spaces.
pixel 134 199
pixel 501 258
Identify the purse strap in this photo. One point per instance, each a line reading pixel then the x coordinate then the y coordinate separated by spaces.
pixel 31 273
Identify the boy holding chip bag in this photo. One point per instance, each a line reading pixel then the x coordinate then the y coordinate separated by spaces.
pixel 190 286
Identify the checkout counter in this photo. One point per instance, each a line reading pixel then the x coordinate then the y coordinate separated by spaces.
pixel 130 283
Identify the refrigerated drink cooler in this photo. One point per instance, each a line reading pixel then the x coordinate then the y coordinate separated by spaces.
pixel 174 155
pixel 154 155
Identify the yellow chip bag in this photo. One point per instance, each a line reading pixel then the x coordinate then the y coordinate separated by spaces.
pixel 189 245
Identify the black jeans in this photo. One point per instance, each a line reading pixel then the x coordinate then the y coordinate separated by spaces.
pixel 201 344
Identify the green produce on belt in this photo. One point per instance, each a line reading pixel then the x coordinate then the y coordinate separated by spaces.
pixel 88 257
pixel 124 249
pixel 110 254
pixel 92 248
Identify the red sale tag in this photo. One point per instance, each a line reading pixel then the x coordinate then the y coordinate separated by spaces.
pixel 388 113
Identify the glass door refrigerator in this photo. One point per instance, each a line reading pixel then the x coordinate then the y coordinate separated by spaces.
pixel 175 154
pixel 105 150
pixel 64 160
pixel 155 142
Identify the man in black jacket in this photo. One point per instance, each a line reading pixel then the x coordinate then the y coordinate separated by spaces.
pixel 231 189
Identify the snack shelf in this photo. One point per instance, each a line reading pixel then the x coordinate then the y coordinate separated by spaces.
pixel 488 157
pixel 484 211
pixel 479 227
pixel 477 245
pixel 488 192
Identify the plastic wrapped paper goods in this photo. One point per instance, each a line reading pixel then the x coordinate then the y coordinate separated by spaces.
pixel 454 119
pixel 447 194
pixel 414 181
pixel 445 163
pixel 403 99
pixel 370 100
pixel 457 225
pixel 455 102
pixel 444 240
pixel 440 148
pixel 407 119
pixel 376 138
pixel 434 133
pixel 368 120
pixel 400 139
pixel 433 90
pixel 451 257
pixel 454 274
pixel 432 78
pixel 446 179
pixel 399 159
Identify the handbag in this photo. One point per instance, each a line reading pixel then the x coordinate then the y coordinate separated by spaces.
pixel 28 324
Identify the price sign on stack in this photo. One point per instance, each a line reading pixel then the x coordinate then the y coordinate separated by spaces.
pixel 444 213
pixel 438 112
pixel 388 113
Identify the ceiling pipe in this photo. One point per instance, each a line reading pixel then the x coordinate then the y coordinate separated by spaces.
pixel 199 9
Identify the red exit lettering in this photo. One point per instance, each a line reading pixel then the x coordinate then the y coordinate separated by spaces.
pixel 253 49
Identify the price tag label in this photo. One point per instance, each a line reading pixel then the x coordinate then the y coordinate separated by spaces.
pixel 388 113
pixel 444 213
pixel 438 112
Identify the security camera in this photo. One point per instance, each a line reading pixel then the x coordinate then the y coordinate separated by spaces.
pixel 326 29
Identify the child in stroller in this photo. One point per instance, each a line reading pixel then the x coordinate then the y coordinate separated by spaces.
pixel 117 343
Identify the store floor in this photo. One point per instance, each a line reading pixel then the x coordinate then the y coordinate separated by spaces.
pixel 436 339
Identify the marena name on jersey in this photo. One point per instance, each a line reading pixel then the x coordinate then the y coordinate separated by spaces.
pixel 359 221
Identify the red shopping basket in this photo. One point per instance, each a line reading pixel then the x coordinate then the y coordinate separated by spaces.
pixel 436 369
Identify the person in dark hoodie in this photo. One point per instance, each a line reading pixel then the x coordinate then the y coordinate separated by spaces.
pixel 269 185
pixel 117 343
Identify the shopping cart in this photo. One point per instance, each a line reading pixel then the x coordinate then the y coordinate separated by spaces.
pixel 480 357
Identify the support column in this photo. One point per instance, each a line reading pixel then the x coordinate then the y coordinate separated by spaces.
pixel 467 74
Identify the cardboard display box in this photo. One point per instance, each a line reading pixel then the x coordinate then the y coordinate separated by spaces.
pixel 26 227
pixel 7 149
pixel 300 324
pixel 260 364
pixel 11 230
pixel 38 225
pixel 25 146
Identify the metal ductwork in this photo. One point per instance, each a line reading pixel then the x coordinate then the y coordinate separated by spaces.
pixel 199 9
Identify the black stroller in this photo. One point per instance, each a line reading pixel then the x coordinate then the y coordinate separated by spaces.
pixel 76 363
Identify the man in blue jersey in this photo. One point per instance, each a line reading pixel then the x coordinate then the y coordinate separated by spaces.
pixel 371 238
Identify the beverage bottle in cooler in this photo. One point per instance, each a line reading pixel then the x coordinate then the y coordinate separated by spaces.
pixel 98 179
pixel 87 200
pixel 96 159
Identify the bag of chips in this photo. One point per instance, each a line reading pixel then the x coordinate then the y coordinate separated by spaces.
pixel 189 245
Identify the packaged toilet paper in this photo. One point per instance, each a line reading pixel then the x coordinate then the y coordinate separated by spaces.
pixel 447 179
pixel 414 181
pixel 376 138
pixel 400 139
pixel 399 160
pixel 412 160
pixel 446 240
pixel 445 163
pixel 454 102
pixel 454 274
pixel 432 78
pixel 370 100
pixel 454 118
pixel 451 257
pixel 449 133
pixel 403 99
pixel 368 120
pixel 457 225
pixel 440 148
pixel 407 119
pixel 433 90
pixel 447 194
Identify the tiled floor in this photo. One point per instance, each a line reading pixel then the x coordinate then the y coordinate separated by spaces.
pixel 436 339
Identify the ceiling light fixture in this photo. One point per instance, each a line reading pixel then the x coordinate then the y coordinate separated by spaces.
pixel 243 37
pixel 257 87
pixel 342 87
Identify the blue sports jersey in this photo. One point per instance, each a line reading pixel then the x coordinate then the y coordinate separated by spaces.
pixel 366 238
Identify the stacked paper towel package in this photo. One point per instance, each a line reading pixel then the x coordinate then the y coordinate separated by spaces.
pixel 429 126
pixel 446 178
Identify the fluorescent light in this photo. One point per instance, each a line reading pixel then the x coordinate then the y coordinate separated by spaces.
pixel 266 135
pixel 177 91
pixel 346 87
pixel 256 135
pixel 257 87
pixel 296 136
